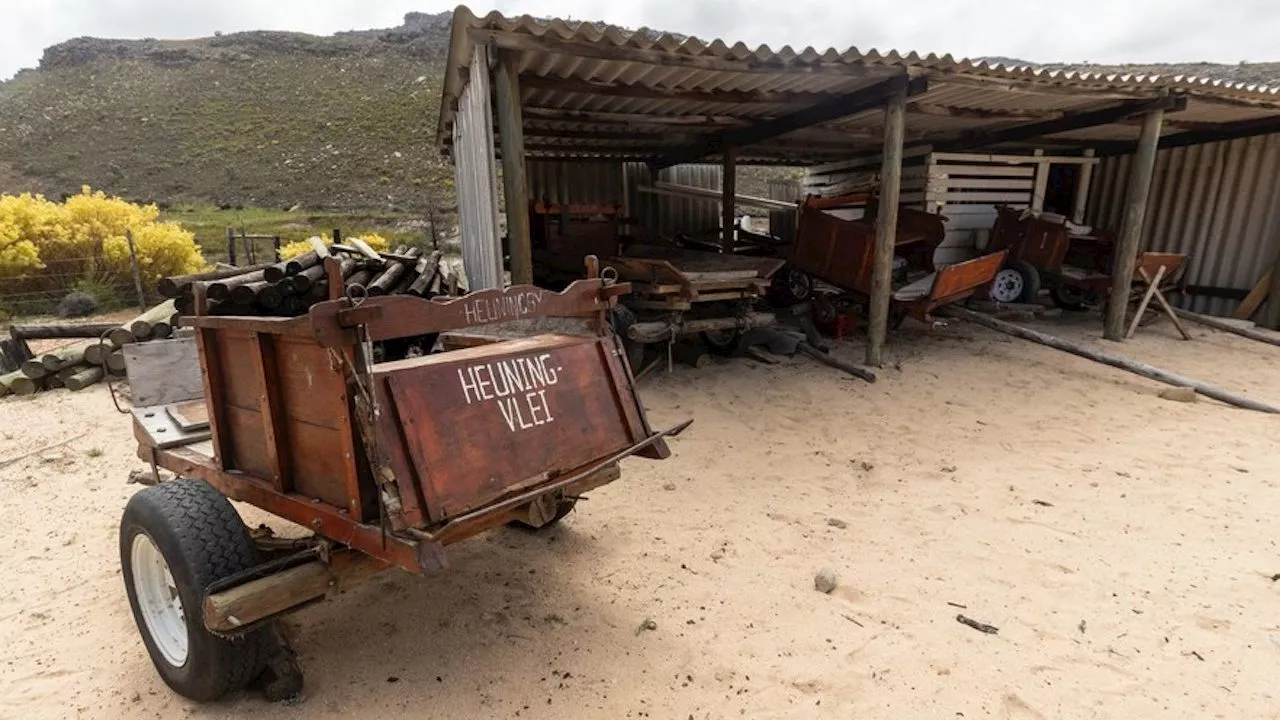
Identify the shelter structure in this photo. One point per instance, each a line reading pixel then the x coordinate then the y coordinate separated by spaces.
pixel 576 92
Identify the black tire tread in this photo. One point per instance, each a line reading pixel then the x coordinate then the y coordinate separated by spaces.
pixel 214 544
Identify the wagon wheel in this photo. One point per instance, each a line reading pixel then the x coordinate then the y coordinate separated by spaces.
pixel 727 343
pixel 1017 281
pixel 1068 297
pixel 790 285
pixel 175 540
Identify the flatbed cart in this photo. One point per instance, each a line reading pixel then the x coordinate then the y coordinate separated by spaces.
pixel 386 463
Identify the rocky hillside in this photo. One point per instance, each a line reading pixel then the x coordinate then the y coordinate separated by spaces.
pixel 259 118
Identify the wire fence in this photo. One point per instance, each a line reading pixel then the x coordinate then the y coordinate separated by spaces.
pixel 41 292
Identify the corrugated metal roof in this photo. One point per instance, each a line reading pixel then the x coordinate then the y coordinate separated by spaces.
pixel 648 79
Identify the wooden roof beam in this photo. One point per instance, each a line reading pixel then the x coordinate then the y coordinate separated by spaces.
pixel 923 108
pixel 855 102
pixel 1230 131
pixel 1068 122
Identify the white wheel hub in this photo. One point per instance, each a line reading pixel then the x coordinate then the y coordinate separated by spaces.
pixel 158 600
pixel 1007 286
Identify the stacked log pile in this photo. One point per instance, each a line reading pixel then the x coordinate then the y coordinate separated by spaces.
pixel 290 287
pixel 284 289
pixel 95 355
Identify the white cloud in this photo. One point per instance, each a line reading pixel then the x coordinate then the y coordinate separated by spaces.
pixel 1102 31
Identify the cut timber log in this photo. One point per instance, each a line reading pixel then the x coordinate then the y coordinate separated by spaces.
pixel 94 354
pixel 281 270
pixel 836 363
pixel 240 607
pixel 263 293
pixel 691 355
pixel 1115 361
pixel 20 384
pixel 84 379
pixel 172 287
pixel 7 380
pixel 143 326
pixel 1216 324
pixel 64 357
pixel 389 278
pixel 115 362
pixel 428 271
pixel 58 332
pixel 222 289
pixel 33 368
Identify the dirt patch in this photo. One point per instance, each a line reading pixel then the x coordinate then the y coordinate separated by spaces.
pixel 1122 544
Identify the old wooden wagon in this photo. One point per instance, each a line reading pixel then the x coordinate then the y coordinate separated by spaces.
pixel 840 252
pixel 386 463
pixel 1045 251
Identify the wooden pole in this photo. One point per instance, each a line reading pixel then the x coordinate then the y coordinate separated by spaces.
pixel 837 363
pixel 1168 309
pixel 886 225
pixel 137 270
pixel 231 246
pixel 728 198
pixel 1084 179
pixel 1218 324
pixel 1146 300
pixel 1135 210
pixel 1115 361
pixel 506 82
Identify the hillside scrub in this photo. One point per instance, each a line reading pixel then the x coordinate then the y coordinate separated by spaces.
pixel 48 249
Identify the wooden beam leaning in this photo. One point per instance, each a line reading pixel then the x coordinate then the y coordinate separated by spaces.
pixel 728 199
pixel 886 225
pixel 514 182
pixel 1135 211
pixel 867 98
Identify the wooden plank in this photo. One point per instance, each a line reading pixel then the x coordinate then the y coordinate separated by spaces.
pixel 970 157
pixel 1146 300
pixel 980 197
pixel 1164 303
pixel 270 407
pixel 673 304
pixel 946 183
pixel 1256 296
pixel 240 606
pixel 1004 171
pixel 163 371
pixel 188 416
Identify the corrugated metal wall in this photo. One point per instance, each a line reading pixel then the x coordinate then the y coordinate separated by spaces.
pixel 782 223
pixel 580 182
pixel 1219 203
pixel 667 215
pixel 476 181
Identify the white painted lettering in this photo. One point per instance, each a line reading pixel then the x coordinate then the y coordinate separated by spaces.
pixel 467 387
pixel 505 381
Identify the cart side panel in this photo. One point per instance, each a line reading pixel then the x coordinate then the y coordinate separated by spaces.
pixel 835 250
pixel 480 423
pixel 242 437
pixel 1044 244
pixel 320 440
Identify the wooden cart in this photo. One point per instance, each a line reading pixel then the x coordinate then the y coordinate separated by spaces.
pixel 1076 268
pixel 386 463
pixel 840 252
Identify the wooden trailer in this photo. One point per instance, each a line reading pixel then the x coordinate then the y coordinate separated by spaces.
pixel 387 463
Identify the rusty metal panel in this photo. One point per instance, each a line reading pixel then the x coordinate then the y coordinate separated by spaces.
pixel 514 409
pixel 1218 203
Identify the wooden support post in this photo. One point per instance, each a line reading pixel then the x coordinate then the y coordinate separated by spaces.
pixel 1146 300
pixel 1135 210
pixel 728 199
pixel 886 226
pixel 1084 179
pixel 506 82
pixel 231 246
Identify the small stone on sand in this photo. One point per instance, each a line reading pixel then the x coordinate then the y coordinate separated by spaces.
pixel 1179 394
pixel 825 580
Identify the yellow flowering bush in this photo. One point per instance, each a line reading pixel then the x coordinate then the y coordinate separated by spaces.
pixel 300 247
pixel 50 247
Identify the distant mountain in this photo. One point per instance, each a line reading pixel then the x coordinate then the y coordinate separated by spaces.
pixel 255 118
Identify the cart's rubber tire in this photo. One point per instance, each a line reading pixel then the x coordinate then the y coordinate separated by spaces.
pixel 621 318
pixel 725 343
pixel 563 508
pixel 1017 281
pixel 200 539
pixel 790 286
pixel 1067 299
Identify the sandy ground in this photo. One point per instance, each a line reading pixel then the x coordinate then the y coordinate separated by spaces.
pixel 1124 545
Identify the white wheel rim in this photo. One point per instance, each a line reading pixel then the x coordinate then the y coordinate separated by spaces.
pixel 1007 287
pixel 158 600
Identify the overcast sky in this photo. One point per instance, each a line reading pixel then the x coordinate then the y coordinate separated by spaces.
pixel 1099 31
